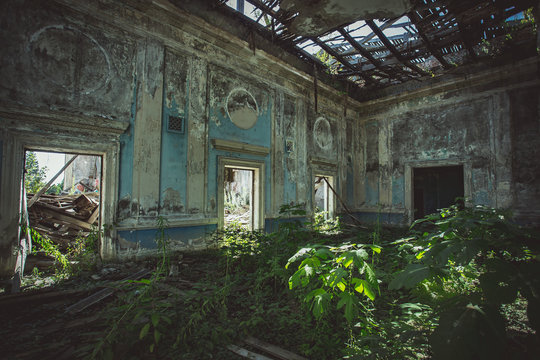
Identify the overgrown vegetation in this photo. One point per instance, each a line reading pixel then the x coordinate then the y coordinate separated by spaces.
pixel 461 284
pixel 34 177
pixel 81 256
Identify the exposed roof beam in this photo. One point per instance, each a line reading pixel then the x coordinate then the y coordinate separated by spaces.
pixel 392 49
pixel 342 60
pixel 371 35
pixel 362 51
pixel 436 52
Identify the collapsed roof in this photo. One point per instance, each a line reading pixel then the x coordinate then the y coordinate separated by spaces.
pixel 375 44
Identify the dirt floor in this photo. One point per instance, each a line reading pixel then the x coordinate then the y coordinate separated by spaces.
pixel 40 322
pixel 53 319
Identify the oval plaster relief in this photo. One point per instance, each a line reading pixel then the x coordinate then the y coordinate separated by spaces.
pixel 69 58
pixel 323 134
pixel 242 109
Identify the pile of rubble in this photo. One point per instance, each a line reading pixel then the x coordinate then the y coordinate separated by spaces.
pixel 64 218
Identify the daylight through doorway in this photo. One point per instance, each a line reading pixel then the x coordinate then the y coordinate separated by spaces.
pixel 62 194
pixel 238 197
pixel 323 198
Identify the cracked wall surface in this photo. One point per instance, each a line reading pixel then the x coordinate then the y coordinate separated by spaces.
pixel 146 65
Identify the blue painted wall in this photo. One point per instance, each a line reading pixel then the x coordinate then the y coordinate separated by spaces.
pixel 221 127
pixel 147 238
pixel 383 218
pixel 398 191
pixel 289 184
pixel 174 147
pixel 372 194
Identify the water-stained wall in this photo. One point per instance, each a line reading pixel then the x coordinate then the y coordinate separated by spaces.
pixel 189 96
pixel 489 125
pixel 165 97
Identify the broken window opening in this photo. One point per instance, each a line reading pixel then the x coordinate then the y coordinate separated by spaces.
pixel 63 197
pixel 435 188
pixel 239 197
pixel 323 196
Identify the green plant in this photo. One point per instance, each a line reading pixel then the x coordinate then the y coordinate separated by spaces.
pixel 34 176
pixel 336 274
pixel 56 189
pixel 141 311
pixel 323 223
pixel 62 264
pixel 495 259
pixel 85 249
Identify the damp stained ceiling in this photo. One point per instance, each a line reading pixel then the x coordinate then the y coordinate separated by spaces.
pixel 374 46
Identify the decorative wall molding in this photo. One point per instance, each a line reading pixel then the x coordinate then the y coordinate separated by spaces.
pixel 234 146
pixel 19 118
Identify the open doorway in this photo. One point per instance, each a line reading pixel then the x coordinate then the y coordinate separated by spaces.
pixel 323 196
pixel 436 187
pixel 240 193
pixel 62 205
pixel 238 202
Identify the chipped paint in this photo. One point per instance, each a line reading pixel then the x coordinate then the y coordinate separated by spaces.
pixel 140 70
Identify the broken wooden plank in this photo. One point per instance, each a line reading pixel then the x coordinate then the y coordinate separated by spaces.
pixel 84 206
pixel 40 296
pixel 92 219
pixel 102 294
pixel 48 185
pixel 65 218
pixel 246 353
pixel 272 349
pixel 392 48
pixel 358 222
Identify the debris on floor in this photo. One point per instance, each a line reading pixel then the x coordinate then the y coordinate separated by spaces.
pixel 63 218
pixel 271 350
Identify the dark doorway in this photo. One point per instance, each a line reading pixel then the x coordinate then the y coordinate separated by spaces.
pixel 436 188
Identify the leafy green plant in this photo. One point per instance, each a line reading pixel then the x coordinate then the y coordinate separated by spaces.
pixel 336 274
pixel 141 311
pixel 84 250
pixel 34 175
pixel 322 223
pixel 498 260
pixel 62 264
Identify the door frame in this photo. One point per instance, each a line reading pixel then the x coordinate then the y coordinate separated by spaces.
pixel 258 188
pixel 409 181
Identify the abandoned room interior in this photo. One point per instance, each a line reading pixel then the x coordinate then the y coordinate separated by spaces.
pixel 202 116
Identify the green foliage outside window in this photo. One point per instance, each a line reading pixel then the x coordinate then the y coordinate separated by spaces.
pixel 34 177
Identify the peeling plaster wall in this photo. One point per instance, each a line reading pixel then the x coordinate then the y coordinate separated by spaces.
pixel 145 64
pixel 61 60
pixel 490 127
pixel 523 187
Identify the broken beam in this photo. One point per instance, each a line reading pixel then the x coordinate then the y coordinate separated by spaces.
pixel 341 59
pixel 393 49
pixel 42 191
pixel 273 350
pixel 102 294
pixel 246 353
pixel 362 51
pixel 415 18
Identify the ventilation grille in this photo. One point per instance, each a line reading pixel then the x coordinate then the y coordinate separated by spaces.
pixel 176 124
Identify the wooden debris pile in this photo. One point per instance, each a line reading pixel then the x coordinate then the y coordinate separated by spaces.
pixel 63 218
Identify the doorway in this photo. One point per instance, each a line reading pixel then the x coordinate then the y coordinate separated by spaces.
pixel 238 201
pixel 436 188
pixel 323 196
pixel 61 200
pixel 240 194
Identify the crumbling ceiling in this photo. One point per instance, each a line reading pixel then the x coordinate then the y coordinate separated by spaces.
pixel 374 45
